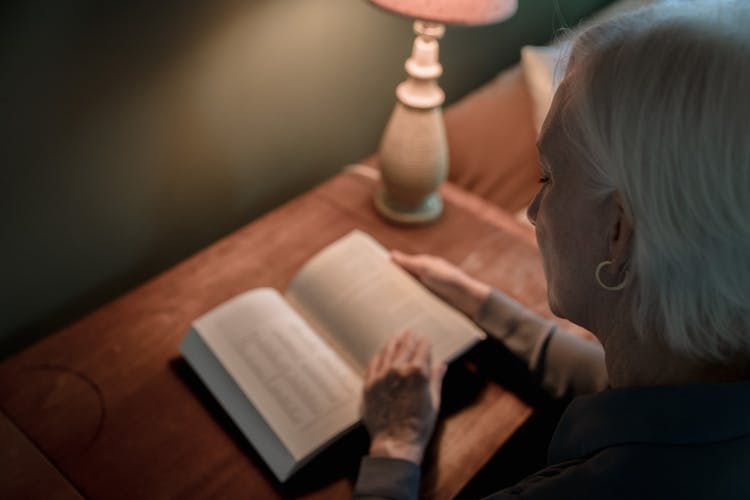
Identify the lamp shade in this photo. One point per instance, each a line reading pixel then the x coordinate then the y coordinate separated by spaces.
pixel 468 12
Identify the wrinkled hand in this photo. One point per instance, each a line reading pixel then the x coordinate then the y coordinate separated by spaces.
pixel 446 280
pixel 402 398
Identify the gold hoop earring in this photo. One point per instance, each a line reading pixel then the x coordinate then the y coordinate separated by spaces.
pixel 601 283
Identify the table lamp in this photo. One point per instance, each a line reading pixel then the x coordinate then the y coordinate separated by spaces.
pixel 413 151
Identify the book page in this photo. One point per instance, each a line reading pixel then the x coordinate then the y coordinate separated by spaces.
pixel 353 290
pixel 300 386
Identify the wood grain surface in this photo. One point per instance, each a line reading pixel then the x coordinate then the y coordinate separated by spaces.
pixel 113 406
pixel 25 472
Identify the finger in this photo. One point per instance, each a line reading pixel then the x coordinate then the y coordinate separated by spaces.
pixel 388 351
pixel 373 368
pixel 398 256
pixel 437 374
pixel 405 348
pixel 383 356
pixel 414 264
pixel 422 354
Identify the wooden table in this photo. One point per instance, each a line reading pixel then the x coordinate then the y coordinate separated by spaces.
pixel 111 404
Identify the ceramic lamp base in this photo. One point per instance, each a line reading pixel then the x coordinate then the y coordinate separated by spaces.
pixel 428 211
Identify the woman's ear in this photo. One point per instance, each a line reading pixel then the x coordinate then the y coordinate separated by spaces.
pixel 621 234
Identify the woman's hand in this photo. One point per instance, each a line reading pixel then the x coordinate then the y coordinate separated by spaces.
pixel 402 398
pixel 446 280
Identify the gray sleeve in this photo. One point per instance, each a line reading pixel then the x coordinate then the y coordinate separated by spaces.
pixel 567 365
pixel 387 478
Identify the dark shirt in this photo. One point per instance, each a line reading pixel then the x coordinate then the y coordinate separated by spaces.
pixel 689 441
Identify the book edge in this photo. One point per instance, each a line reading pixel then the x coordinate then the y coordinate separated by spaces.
pixel 243 413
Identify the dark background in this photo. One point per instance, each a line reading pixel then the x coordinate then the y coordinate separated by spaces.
pixel 135 133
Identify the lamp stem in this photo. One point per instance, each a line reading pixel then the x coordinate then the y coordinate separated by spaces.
pixel 413 150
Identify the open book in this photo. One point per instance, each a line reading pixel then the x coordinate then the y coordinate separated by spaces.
pixel 288 370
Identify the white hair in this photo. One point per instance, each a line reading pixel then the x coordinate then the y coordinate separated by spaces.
pixel 657 108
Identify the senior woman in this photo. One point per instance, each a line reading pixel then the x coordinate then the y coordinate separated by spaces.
pixel 643 223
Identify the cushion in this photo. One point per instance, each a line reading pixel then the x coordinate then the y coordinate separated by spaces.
pixel 492 141
pixel 543 67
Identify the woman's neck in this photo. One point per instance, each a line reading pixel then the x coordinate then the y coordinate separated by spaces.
pixel 634 360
